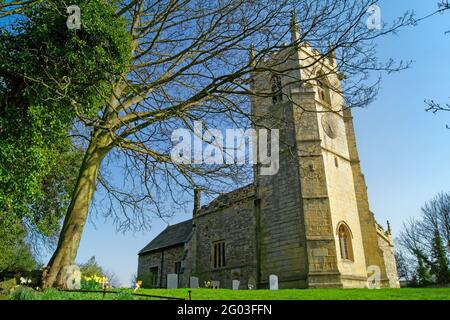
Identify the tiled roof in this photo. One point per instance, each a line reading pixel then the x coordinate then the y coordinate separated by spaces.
pixel 173 235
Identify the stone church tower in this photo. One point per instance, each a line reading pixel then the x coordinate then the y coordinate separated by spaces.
pixel 310 223
pixel 314 226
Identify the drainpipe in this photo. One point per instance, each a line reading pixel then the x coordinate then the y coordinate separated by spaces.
pixel 162 270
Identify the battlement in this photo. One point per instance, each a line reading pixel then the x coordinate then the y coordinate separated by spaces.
pixel 385 234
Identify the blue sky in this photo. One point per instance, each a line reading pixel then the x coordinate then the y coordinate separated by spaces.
pixel 404 151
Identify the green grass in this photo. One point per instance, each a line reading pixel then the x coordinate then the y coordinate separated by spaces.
pixel 226 294
pixel 22 293
pixel 311 294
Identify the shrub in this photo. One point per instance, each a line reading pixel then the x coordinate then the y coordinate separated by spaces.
pixel 8 285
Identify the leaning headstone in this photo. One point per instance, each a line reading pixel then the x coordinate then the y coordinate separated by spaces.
pixel 215 284
pixel 172 281
pixel 273 282
pixel 193 282
pixel 251 283
pixel 73 277
pixel 236 284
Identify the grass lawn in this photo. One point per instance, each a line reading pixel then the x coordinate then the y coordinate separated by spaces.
pixel 226 294
pixel 311 294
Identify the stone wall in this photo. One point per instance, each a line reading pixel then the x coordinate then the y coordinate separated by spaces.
pixel 280 221
pixel 189 259
pixel 282 247
pixel 316 204
pixel 230 220
pixel 164 260
pixel 386 247
pixel 342 198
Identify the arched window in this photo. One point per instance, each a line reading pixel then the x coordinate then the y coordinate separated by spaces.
pixel 277 92
pixel 345 242
pixel 323 88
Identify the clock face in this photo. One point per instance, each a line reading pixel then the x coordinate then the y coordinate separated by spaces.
pixel 329 124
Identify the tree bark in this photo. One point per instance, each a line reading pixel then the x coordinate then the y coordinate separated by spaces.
pixel 72 229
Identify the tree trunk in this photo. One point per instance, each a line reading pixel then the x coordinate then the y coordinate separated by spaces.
pixel 69 239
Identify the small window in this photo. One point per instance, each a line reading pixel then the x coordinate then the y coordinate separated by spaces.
pixel 178 267
pixel 345 242
pixel 219 254
pixel 336 162
pixel 277 92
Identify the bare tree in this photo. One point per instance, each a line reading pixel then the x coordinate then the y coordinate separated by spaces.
pixel 192 61
pixel 11 7
pixel 432 105
pixel 418 236
pixel 436 216
pixel 405 266
pixel 412 238
pixel 435 107
pixel 113 279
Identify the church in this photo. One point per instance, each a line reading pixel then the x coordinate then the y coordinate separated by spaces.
pixel 309 224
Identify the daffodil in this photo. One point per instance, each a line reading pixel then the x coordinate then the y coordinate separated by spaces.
pixel 138 285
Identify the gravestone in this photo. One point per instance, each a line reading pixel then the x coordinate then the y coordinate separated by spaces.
pixel 172 281
pixel 273 282
pixel 193 282
pixel 215 284
pixel 73 277
pixel 236 284
pixel 251 283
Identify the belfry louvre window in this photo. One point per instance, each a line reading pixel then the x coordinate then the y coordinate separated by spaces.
pixel 277 92
pixel 324 88
pixel 219 260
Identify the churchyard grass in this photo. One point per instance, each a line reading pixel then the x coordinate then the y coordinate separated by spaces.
pixel 227 294
pixel 312 294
